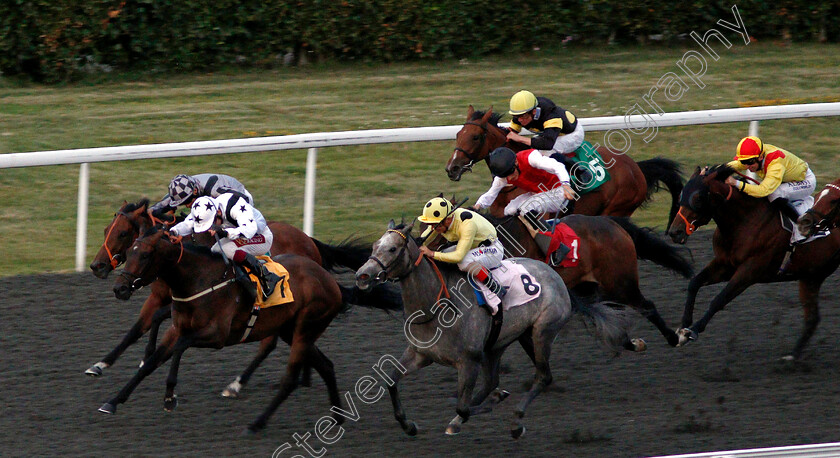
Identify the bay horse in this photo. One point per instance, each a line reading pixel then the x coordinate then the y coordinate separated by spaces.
pixel 454 332
pixel 631 183
pixel 132 219
pixel 825 214
pixel 216 311
pixel 608 267
pixel 749 247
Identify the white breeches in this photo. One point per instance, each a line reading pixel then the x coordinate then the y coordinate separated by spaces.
pixel 548 202
pixel 257 245
pixel 798 193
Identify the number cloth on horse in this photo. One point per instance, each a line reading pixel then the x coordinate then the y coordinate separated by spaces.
pixel 520 285
pixel 282 292
pixel 563 235
pixel 586 157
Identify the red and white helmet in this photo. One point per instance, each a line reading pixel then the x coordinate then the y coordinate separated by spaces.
pixel 203 211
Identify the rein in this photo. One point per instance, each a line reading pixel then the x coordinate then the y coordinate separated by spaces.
pixel 825 220
pixel 133 279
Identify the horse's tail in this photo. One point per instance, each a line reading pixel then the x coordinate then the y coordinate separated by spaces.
pixel 659 171
pixel 383 296
pixel 652 248
pixel 351 253
pixel 608 321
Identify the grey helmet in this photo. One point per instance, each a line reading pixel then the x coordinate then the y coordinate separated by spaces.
pixel 181 189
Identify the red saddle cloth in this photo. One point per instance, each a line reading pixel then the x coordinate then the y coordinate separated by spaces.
pixel 564 234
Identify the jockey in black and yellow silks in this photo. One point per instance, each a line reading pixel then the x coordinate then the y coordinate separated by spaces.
pixel 557 130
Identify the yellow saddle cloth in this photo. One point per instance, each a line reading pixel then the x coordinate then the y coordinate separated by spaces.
pixel 282 292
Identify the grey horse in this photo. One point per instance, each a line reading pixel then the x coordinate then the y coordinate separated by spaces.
pixel 453 331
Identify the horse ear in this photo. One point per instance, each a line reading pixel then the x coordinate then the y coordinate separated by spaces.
pixel 490 110
pixel 487 115
pixel 470 111
pixel 391 224
pixel 408 228
pixel 440 195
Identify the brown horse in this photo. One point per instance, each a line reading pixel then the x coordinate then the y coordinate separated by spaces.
pixel 132 219
pixel 608 267
pixel 630 185
pixel 749 245
pixel 825 214
pixel 216 312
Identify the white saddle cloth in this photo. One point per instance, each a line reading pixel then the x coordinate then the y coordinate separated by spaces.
pixel 522 286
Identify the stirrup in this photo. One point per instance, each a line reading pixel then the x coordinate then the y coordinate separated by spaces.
pixel 268 280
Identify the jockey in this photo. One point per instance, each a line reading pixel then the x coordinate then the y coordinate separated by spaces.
pixel 243 231
pixel 183 189
pixel 545 181
pixel 558 133
pixel 478 249
pixel 785 179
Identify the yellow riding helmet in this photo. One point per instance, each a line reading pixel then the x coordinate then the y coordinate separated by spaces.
pixel 435 210
pixel 522 102
pixel 748 148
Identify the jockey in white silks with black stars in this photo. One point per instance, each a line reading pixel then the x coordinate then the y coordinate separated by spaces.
pixel 242 229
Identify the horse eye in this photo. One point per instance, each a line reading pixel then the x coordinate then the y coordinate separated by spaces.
pixel 476 137
pixel 144 255
pixel 123 234
pixel 393 249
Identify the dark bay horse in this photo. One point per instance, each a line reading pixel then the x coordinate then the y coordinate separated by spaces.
pixel 132 219
pixel 454 332
pixel 749 246
pixel 216 312
pixel 825 214
pixel 608 252
pixel 631 183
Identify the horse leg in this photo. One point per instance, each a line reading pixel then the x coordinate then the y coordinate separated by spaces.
pixel 648 310
pixel 467 374
pixel 267 345
pixel 412 361
pixel 298 356
pixel 144 322
pixel 170 400
pixel 483 402
pixel 743 278
pixel 161 315
pixel 713 273
pixel 163 352
pixel 325 368
pixel 541 350
pixel 809 292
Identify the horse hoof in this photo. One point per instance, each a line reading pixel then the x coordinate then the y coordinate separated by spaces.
pixel 686 335
pixel 140 366
pixel 108 408
pixel 503 394
pixel 229 393
pixel 253 429
pixel 453 430
pixel 169 404
pixel 788 358
pixel 518 431
pixel 94 371
pixel 411 429
pixel 639 345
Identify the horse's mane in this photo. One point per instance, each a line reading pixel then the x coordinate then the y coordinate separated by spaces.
pixel 131 206
pixel 723 171
pixel 200 250
pixel 494 118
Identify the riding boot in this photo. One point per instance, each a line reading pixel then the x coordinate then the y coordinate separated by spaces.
pixel 245 281
pixel 533 218
pixel 268 279
pixel 559 255
pixel 484 276
pixel 784 206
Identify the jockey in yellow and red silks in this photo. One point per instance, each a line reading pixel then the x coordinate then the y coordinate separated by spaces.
pixel 785 179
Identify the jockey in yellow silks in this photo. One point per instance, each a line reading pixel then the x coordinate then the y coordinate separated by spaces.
pixel 785 179
pixel 478 249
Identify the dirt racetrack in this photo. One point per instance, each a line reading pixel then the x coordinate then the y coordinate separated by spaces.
pixel 726 391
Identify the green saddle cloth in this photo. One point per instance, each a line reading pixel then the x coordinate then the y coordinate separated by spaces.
pixel 587 156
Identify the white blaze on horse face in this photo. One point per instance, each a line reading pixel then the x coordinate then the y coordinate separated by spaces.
pixel 822 194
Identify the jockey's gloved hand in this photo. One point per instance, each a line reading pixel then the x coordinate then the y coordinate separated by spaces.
pixel 222 233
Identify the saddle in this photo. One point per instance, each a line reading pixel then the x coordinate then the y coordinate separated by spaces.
pixel 282 293
pixel 555 239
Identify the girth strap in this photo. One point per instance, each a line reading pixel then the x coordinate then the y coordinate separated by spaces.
pixel 254 313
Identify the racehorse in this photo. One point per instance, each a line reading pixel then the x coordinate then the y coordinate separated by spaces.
pixel 825 214
pixel 455 332
pixel 211 310
pixel 749 246
pixel 132 219
pixel 608 251
pixel 630 185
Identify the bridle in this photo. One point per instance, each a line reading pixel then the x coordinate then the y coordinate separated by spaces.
pixel 134 279
pixel 482 139
pixel 382 275
pixel 825 220
pixel 116 259
pixel 691 226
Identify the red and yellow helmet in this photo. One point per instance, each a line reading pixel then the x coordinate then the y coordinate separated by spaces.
pixel 748 148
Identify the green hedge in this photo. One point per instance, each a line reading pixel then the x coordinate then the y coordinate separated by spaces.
pixel 57 40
